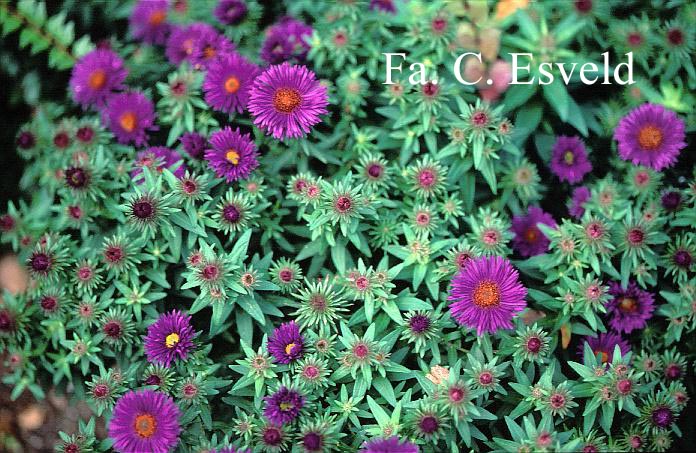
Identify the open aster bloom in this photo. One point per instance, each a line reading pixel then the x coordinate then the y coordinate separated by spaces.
pixel 208 46
pixel 486 294
pixel 604 345
pixel 286 344
pixel 286 40
pixel 569 159
pixel 283 406
pixel 148 21
pixel 650 135
pixel 182 40
pixel 286 101
pixel 233 154
pixel 169 338
pixel 129 117
pixel 529 240
pixel 389 445
pixel 230 12
pixel 228 81
pixel 194 144
pixel 577 204
pixel 145 421
pixel 96 76
pixel 157 158
pixel 630 308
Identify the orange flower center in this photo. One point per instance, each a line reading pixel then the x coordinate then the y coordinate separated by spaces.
pixel 232 85
pixel 286 100
pixel 628 305
pixel 209 52
pixel 530 235
pixel 157 17
pixel 128 121
pixel 145 425
pixel 603 354
pixel 97 79
pixel 487 294
pixel 232 156
pixel 569 157
pixel 289 348
pixel 650 137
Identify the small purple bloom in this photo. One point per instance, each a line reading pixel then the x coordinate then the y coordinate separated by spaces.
pixel 170 338
pixel 129 116
pixel 286 40
pixel 604 345
pixel 386 6
pixel 671 200
pixel 233 154
pixel 182 41
pixel 529 239
pixel 148 21
pixel 650 135
pixel 283 406
pixel 157 158
pixel 577 205
pixel 228 82
pixel 286 101
pixel 286 344
pixel 630 308
pixel 389 445
pixel 208 46
pixel 194 144
pixel 569 159
pixel 95 76
pixel 230 12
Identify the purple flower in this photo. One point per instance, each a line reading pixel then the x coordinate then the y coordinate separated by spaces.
pixel 157 158
pixel 228 82
pixel 233 154
pixel 182 41
pixel 671 200
pixel 286 40
pixel 569 159
pixel 389 445
pixel 208 46
pixel 230 450
pixel 148 21
pixel 230 12
pixel 486 294
pixel 194 144
pixel 145 421
pixel 386 6
pixel 287 100
pixel 630 308
pixel 286 344
pixel 577 206
pixel 169 338
pixel 95 76
pixel 129 116
pixel 604 345
pixel 529 240
pixel 650 135
pixel 283 406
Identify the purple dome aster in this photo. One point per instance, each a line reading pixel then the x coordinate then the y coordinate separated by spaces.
pixel 283 406
pixel 208 46
pixel 671 200
pixel 228 82
pixel 145 421
pixel 577 205
pixel 569 159
pixel 169 338
pixel 630 308
pixel 650 135
pixel 529 240
pixel 148 21
pixel 182 41
pixel 389 445
pixel 286 101
pixel 230 12
pixel 286 344
pixel 286 40
pixel 386 6
pixel 233 154
pixel 95 76
pixel 486 294
pixel 194 144
pixel 129 116
pixel 157 158
pixel 604 345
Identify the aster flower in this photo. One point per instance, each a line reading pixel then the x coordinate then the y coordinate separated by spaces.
pixel 228 82
pixel 286 344
pixel 286 101
pixel 318 435
pixel 630 308
pixel 486 294
pixel 233 154
pixel 145 421
pixel 117 327
pixel 48 259
pixel 286 40
pixel 658 413
pixel 230 12
pixel 157 158
pixel 170 338
pixel 194 144
pixel 679 258
pixel 283 406
pixel 234 213
pixel 569 159
pixel 181 42
pixel 532 344
pixel 119 254
pixel 208 46
pixel 272 438
pixel 419 328
pixel 603 345
pixel 529 240
pixel 389 445
pixel 313 372
pixel 580 196
pixel 650 135
pixel 319 304
pixel 95 76
pixel 129 116
pixel 386 6
pixel 286 274
pixel 148 21
pixel 426 177
pixel 490 232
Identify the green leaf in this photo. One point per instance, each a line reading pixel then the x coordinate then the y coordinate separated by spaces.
pixel 557 95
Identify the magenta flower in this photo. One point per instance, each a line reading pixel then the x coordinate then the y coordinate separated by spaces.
pixel 228 82
pixel 286 101
pixel 233 154
pixel 145 421
pixel 182 41
pixel 529 239
pixel 650 135
pixel 129 116
pixel 630 308
pixel 95 76
pixel 386 6
pixel 283 406
pixel 208 46
pixel 581 195
pixel 157 158
pixel 170 338
pixel 389 445
pixel 286 344
pixel 604 345
pixel 148 21
pixel 230 12
pixel 194 144
pixel 569 159
pixel 486 294
pixel 286 40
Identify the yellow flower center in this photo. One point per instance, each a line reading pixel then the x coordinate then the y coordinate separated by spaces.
pixel 286 406
pixel 171 340
pixel 569 157
pixel 289 348
pixel 232 156
pixel 232 84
